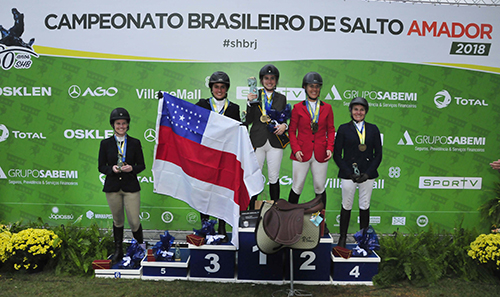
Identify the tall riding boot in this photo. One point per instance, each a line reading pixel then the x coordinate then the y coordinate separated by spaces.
pixel 274 191
pixel 364 218
pixel 138 235
pixel 222 230
pixel 323 199
pixel 251 206
pixel 293 197
pixel 204 217
pixel 345 217
pixel 118 237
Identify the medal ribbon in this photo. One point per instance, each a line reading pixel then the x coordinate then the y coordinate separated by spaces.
pixel 314 115
pixel 122 148
pixel 267 102
pixel 361 133
pixel 214 106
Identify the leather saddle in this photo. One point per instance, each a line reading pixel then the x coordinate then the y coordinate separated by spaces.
pixel 283 224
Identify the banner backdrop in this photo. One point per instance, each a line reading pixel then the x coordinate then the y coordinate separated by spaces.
pixel 431 75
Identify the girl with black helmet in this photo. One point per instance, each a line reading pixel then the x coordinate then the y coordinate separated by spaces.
pixel 219 85
pixel 358 153
pixel 312 134
pixel 121 159
pixel 266 129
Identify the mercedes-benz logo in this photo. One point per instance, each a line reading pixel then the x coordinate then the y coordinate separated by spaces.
pixel 74 91
pixel 4 132
pixel 150 135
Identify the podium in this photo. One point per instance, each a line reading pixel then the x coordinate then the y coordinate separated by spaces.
pixel 119 273
pixel 212 262
pixel 355 270
pixel 254 265
pixel 167 270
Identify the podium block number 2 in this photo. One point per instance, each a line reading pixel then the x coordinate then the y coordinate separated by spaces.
pixel 214 262
pixel 307 265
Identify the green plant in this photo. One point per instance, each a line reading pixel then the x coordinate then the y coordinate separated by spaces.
pixel 491 209
pixel 31 248
pixel 427 256
pixel 486 250
pixel 81 246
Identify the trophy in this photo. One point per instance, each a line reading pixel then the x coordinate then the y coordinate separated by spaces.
pixel 252 83
pixel 356 169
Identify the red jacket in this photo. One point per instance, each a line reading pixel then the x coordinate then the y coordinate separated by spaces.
pixel 301 136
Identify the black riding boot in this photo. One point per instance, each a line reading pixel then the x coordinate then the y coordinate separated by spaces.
pixel 274 191
pixel 204 217
pixel 364 218
pixel 118 237
pixel 251 206
pixel 222 230
pixel 345 217
pixel 323 199
pixel 293 197
pixel 138 235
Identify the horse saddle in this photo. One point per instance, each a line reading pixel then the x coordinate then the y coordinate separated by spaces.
pixel 283 224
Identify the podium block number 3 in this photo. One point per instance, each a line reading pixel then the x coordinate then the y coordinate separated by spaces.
pixel 214 262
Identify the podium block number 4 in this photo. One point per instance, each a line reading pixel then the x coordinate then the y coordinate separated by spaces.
pixel 355 272
pixel 214 262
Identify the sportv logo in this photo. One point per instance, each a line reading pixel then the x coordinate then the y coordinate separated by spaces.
pixel 292 94
pixel 74 92
pixel 443 98
pixel 444 182
pixel 445 140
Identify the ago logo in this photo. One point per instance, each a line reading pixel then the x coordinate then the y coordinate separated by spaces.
pixel 14 51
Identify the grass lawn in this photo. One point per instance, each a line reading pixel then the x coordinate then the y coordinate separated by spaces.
pixel 47 284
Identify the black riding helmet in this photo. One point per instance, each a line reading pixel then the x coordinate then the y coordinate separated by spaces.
pixel 119 114
pixel 360 101
pixel 269 69
pixel 312 78
pixel 219 77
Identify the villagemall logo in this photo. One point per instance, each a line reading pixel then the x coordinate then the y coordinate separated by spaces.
pixel 443 98
pixel 445 182
pixel 14 51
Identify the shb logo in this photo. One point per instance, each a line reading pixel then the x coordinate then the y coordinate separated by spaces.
pixel 407 139
pixel 4 132
pixel 13 50
pixel 150 135
pixel 442 99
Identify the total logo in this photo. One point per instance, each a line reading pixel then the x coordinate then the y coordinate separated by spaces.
pixel 4 134
pixel 443 98
pixel 74 92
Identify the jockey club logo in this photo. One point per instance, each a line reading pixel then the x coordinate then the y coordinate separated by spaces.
pixel 13 50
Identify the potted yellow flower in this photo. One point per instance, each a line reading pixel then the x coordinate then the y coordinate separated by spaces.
pixel 31 249
pixel 486 250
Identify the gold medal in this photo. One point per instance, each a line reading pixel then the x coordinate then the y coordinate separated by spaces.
pixel 362 147
pixel 265 118
pixel 314 127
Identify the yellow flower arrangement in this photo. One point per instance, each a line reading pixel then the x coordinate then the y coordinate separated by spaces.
pixel 30 248
pixel 5 236
pixel 486 250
